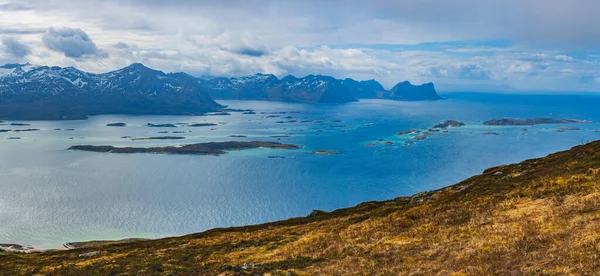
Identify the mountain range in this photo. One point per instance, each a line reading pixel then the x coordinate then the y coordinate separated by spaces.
pixel 312 89
pixel 40 92
pixel 31 92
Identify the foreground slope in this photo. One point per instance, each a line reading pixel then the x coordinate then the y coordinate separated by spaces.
pixel 540 216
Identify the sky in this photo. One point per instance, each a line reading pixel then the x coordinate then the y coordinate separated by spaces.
pixel 460 45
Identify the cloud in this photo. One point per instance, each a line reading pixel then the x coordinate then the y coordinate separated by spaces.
pixel 525 44
pixel 72 42
pixel 15 48
pixel 121 45
pixel 250 52
pixel 14 7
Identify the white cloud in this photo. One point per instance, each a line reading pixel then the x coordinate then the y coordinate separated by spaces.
pixel 286 37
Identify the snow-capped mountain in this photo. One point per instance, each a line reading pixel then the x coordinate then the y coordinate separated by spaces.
pixel 312 88
pixel 309 89
pixel 41 92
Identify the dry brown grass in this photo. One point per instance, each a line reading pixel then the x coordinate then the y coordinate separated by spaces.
pixel 539 217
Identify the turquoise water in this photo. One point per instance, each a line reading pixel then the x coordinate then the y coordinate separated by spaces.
pixel 49 196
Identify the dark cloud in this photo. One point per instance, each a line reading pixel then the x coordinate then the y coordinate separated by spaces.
pixel 72 42
pixel 15 48
pixel 252 52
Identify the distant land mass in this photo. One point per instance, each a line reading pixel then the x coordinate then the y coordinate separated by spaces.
pixel 313 89
pixel 30 92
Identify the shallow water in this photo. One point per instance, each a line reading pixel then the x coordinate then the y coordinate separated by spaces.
pixel 49 195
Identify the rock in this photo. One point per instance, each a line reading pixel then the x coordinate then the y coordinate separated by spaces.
pixel 410 131
pixel 26 130
pixel 89 254
pixel 421 137
pixel 116 124
pixel 491 133
pixel 16 248
pixel 498 173
pixel 421 197
pixel 388 143
pixel 325 152
pixel 314 213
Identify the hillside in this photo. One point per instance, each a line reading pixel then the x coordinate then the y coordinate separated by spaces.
pixel 537 217
pixel 31 92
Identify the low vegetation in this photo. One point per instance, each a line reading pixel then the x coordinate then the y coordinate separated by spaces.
pixel 538 217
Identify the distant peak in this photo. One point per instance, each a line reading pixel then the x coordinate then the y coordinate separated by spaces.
pixel 136 65
pixel 14 65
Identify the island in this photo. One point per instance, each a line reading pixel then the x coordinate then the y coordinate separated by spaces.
pixel 116 125
pixel 159 138
pixel 325 152
pixel 202 124
pixel 449 123
pixel 410 131
pixel 160 125
pixel 529 122
pixel 211 148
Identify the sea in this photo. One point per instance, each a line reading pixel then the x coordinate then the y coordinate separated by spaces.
pixel 50 195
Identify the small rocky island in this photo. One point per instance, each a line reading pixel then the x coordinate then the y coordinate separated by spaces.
pixel 159 138
pixel 325 152
pixel 160 125
pixel 202 124
pixel 212 148
pixel 449 123
pixel 116 124
pixel 529 122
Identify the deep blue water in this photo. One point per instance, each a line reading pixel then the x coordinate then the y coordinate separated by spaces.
pixel 49 195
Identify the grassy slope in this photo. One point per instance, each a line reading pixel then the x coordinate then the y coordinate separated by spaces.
pixel 538 217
